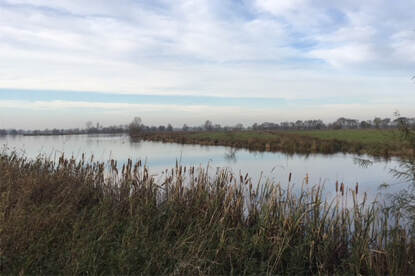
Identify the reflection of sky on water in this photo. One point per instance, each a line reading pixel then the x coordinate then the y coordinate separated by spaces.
pixel 322 169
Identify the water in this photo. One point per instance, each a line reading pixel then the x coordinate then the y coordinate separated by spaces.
pixel 321 169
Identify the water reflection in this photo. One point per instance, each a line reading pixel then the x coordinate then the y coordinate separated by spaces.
pixel 230 155
pixel 364 163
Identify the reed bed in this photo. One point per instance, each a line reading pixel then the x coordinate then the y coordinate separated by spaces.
pixel 85 217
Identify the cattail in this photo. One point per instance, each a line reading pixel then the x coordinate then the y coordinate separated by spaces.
pixel 337 186
pixel 289 177
pixel 113 165
pixel 342 188
pixel 357 187
pixel 306 178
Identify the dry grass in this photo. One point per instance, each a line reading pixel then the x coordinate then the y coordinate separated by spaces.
pixel 79 217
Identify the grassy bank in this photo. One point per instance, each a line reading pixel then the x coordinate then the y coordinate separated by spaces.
pixel 74 217
pixel 384 143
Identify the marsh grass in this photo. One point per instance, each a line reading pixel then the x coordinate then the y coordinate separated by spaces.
pixel 85 217
pixel 380 143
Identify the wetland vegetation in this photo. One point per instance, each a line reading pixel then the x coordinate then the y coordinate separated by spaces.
pixel 83 217
pixel 383 143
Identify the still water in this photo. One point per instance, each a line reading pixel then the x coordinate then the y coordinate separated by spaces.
pixel 321 169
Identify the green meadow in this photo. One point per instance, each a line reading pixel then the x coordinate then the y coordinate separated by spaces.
pixel 364 136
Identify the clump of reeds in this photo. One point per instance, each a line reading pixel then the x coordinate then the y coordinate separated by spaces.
pixel 84 217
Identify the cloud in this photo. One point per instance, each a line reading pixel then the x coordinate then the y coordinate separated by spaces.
pixel 403 44
pixel 346 55
pixel 202 31
pixel 70 105
pixel 279 7
pixel 298 49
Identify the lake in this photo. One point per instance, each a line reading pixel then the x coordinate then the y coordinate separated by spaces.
pixel 321 169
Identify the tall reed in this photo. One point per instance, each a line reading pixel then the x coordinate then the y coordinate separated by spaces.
pixel 85 217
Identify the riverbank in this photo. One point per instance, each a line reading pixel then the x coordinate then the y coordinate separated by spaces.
pixel 75 217
pixel 379 143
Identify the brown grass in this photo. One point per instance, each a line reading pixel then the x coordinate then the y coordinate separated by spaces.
pixel 79 217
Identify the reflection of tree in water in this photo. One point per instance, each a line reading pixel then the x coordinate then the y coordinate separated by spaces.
pixel 135 142
pixel 363 163
pixel 230 155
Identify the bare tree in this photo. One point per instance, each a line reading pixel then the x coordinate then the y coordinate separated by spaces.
pixel 239 126
pixel 377 121
pixel 89 124
pixel 208 125
pixel 135 126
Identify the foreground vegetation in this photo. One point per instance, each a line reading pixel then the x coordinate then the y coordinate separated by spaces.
pixel 79 217
pixel 383 143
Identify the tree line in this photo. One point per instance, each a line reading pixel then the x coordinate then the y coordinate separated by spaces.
pixel 137 126
pixel 89 129
pixel 341 123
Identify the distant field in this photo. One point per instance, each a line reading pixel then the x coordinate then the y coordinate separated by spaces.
pixel 370 136
pixel 365 136
pixel 229 136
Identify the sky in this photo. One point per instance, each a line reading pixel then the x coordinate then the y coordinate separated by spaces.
pixel 65 62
